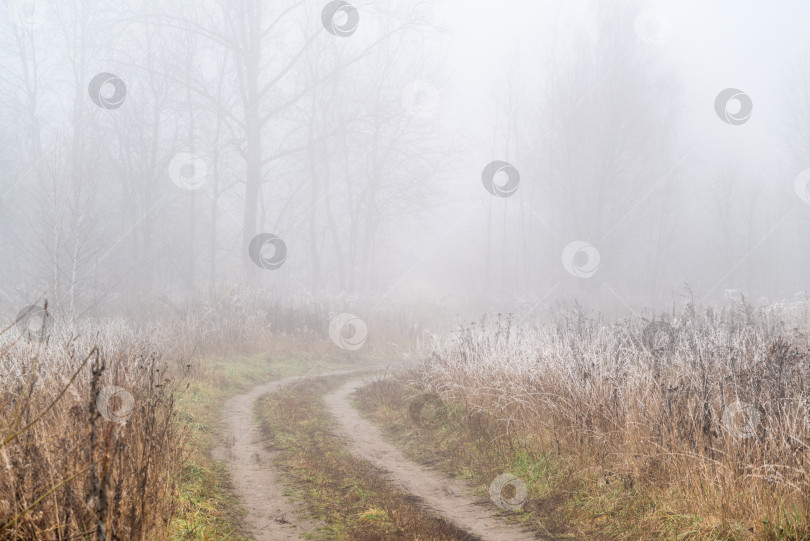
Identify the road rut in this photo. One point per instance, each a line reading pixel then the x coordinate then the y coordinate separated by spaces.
pixel 270 515
pixel 450 498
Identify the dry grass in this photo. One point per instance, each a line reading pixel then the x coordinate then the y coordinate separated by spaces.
pixel 695 425
pixel 66 471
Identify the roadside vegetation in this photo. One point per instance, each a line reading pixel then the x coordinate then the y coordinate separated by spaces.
pixel 106 427
pixel 89 442
pixel 687 426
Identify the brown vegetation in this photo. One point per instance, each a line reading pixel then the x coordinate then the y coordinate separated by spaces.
pixel 71 466
pixel 692 425
pixel 69 471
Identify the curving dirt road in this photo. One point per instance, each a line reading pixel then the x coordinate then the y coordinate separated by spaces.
pixel 273 516
pixel 447 497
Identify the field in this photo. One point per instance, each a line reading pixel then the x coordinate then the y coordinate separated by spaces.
pixel 694 425
pixel 689 425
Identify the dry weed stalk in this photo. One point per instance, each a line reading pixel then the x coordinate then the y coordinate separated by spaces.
pixel 713 406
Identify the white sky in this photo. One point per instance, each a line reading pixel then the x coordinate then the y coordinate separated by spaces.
pixel 714 45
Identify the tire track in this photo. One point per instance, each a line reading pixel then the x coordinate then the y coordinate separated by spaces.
pixel 447 497
pixel 270 514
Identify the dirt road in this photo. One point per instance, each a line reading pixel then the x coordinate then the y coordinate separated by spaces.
pixel 273 516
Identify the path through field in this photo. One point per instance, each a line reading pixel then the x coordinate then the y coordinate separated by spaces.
pixel 272 516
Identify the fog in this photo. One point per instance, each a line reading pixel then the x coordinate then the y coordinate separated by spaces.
pixel 475 155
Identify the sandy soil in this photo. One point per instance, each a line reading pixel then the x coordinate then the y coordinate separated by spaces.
pixel 450 498
pixel 270 514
